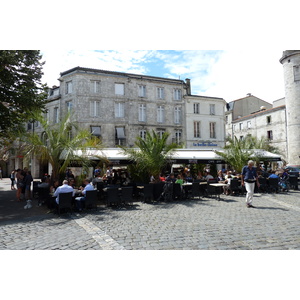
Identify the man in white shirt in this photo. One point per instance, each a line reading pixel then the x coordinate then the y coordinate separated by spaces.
pixel 80 200
pixel 64 188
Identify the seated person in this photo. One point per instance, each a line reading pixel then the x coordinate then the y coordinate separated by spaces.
pixel 179 180
pixel 64 188
pixel 80 200
pixel 273 175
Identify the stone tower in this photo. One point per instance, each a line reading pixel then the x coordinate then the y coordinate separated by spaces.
pixel 291 68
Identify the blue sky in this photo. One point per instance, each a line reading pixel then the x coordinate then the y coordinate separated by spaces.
pixel 229 74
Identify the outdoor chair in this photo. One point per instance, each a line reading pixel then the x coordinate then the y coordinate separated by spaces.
pixel 263 185
pixel 148 192
pixel 273 185
pixel 65 202
pixel 177 191
pixel 293 181
pixel 43 195
pixel 127 195
pixel 100 187
pixel 214 191
pixel 235 187
pixel 112 196
pixel 35 193
pixel 158 190
pixel 91 198
pixel 195 192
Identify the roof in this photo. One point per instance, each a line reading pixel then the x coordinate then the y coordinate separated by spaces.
pixel 123 74
pixel 261 112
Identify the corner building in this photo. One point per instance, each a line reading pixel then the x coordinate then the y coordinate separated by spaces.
pixel 291 70
pixel 118 107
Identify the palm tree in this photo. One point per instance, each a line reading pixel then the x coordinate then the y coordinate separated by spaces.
pixel 152 155
pixel 235 153
pixel 238 152
pixel 58 144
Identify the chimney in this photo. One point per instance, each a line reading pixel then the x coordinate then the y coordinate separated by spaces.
pixel 188 86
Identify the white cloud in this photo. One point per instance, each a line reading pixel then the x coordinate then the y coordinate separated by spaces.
pixel 227 74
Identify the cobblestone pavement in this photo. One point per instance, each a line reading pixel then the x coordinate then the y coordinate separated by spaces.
pixel 187 225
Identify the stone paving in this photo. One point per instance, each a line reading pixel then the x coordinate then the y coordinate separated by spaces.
pixel 181 225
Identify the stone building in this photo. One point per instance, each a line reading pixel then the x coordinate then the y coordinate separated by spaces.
pixel 291 69
pixel 240 108
pixel 119 107
pixel 265 123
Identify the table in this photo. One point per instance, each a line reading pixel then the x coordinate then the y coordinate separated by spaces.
pixel 218 185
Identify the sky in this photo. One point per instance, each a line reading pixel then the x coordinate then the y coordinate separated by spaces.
pixel 228 74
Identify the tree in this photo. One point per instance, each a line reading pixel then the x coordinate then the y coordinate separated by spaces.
pixel 152 155
pixel 21 90
pixel 58 144
pixel 238 152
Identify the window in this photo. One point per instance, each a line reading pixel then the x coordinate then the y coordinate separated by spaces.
pixel 96 131
pixel 69 87
pixel 296 73
pixel 177 137
pixel 95 108
pixel 197 129
pixel 160 93
pixel 119 89
pixel 241 126
pixel 241 138
pixel 268 119
pixel 142 113
pixel 177 115
pixel 177 94
pixel 142 91
pixel 119 110
pixel 270 134
pixel 69 106
pixel 120 136
pixel 248 124
pixel 212 108
pixel 234 128
pixel 95 86
pixel 143 134
pixel 196 108
pixel 212 130
pixel 55 115
pixel 160 114
pixel 160 132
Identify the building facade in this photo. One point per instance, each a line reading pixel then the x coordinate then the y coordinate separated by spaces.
pixel 204 122
pixel 240 108
pixel 266 123
pixel 291 70
pixel 119 107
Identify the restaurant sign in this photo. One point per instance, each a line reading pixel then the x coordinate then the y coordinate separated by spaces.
pixel 209 144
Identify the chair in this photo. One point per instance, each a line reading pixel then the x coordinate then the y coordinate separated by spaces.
pixel 195 190
pixel 65 202
pixel 235 186
pixel 113 196
pixel 127 195
pixel 148 192
pixel 100 187
pixel 293 181
pixel 215 191
pixel 158 190
pixel 168 191
pixel 43 194
pixel 177 191
pixel 35 193
pixel 263 186
pixel 91 198
pixel 273 185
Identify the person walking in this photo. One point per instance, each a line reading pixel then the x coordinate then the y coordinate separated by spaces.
pixel 249 177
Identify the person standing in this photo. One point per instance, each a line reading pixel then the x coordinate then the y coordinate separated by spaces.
pixel 12 178
pixel 249 177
